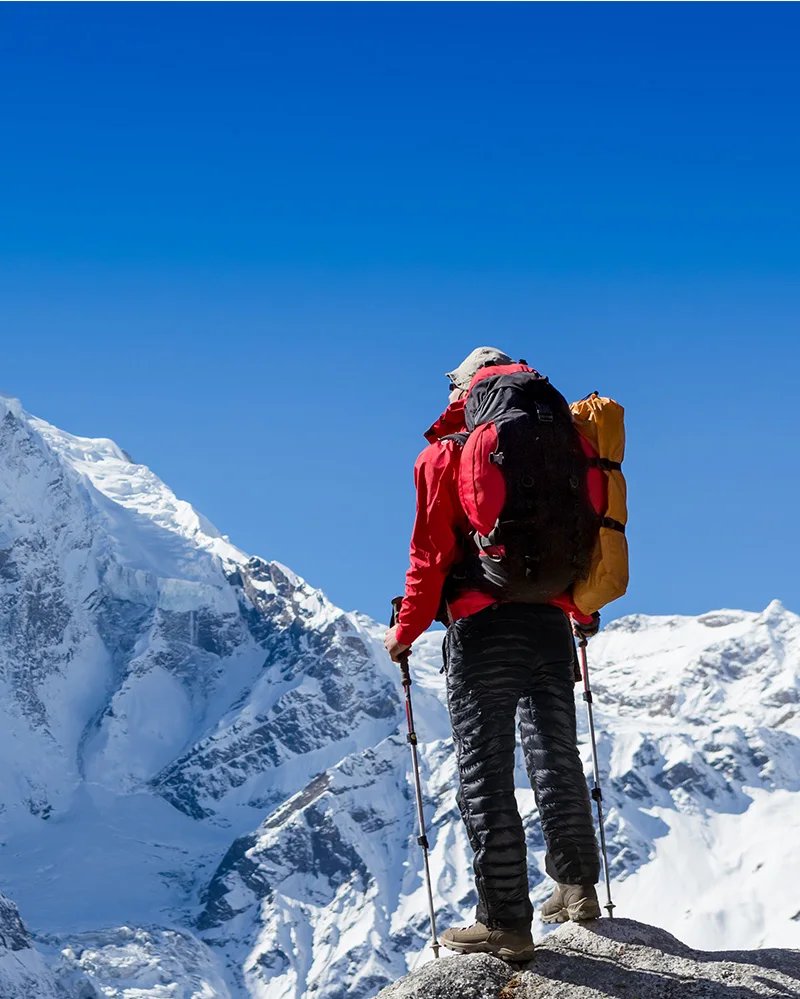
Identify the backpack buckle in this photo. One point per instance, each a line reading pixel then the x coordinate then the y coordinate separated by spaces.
pixel 544 413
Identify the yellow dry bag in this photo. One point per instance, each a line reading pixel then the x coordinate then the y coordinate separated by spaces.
pixel 601 421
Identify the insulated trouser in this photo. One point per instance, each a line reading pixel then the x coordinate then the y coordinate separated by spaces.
pixel 506 657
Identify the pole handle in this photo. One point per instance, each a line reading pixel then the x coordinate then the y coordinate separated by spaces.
pixel 397 603
pixel 402 662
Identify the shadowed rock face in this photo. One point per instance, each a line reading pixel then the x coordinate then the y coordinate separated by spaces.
pixel 23 972
pixel 13 935
pixel 301 717
pixel 604 959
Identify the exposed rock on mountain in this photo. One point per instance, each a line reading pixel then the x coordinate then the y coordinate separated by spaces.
pixel 24 973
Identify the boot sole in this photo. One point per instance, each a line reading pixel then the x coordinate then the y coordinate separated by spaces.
pixel 579 912
pixel 504 953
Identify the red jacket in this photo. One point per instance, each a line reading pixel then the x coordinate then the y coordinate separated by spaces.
pixel 439 530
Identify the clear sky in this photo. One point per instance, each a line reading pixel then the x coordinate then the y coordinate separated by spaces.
pixel 246 241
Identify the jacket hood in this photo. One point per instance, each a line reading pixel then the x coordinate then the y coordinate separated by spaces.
pixel 450 422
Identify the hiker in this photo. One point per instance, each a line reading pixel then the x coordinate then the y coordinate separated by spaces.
pixel 505 594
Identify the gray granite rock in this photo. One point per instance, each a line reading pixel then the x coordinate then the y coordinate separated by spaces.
pixel 608 958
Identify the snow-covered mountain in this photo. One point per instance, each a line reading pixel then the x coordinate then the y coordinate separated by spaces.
pixel 204 787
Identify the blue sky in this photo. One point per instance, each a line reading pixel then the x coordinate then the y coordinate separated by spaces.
pixel 246 241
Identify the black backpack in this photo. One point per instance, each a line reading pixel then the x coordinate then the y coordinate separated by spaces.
pixel 522 482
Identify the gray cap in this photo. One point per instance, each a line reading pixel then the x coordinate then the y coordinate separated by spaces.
pixel 463 374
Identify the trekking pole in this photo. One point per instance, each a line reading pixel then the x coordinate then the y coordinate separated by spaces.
pixel 422 839
pixel 597 793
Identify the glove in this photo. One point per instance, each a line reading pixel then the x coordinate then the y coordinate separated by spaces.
pixel 586 630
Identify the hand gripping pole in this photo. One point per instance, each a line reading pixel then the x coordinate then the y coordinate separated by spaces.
pixel 597 793
pixel 422 838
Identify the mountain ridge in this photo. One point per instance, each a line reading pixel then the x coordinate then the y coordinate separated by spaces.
pixel 205 764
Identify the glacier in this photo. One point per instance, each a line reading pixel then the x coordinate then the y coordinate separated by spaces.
pixel 205 783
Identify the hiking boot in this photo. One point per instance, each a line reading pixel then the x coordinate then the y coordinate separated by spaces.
pixel 510 945
pixel 576 902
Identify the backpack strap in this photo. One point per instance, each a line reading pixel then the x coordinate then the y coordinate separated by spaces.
pixel 606 464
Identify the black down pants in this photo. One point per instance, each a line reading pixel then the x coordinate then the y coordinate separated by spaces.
pixel 505 657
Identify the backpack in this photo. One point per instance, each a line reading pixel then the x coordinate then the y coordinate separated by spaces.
pixel 542 488
pixel 523 484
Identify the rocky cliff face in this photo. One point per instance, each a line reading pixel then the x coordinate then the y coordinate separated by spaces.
pixel 205 776
pixel 23 970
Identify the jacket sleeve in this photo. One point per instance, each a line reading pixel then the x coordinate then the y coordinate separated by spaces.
pixel 435 541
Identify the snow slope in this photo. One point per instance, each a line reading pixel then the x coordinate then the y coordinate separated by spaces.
pixel 204 786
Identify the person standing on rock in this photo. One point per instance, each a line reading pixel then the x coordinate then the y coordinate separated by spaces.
pixel 505 524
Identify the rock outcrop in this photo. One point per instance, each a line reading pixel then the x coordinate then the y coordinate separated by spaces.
pixel 608 958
